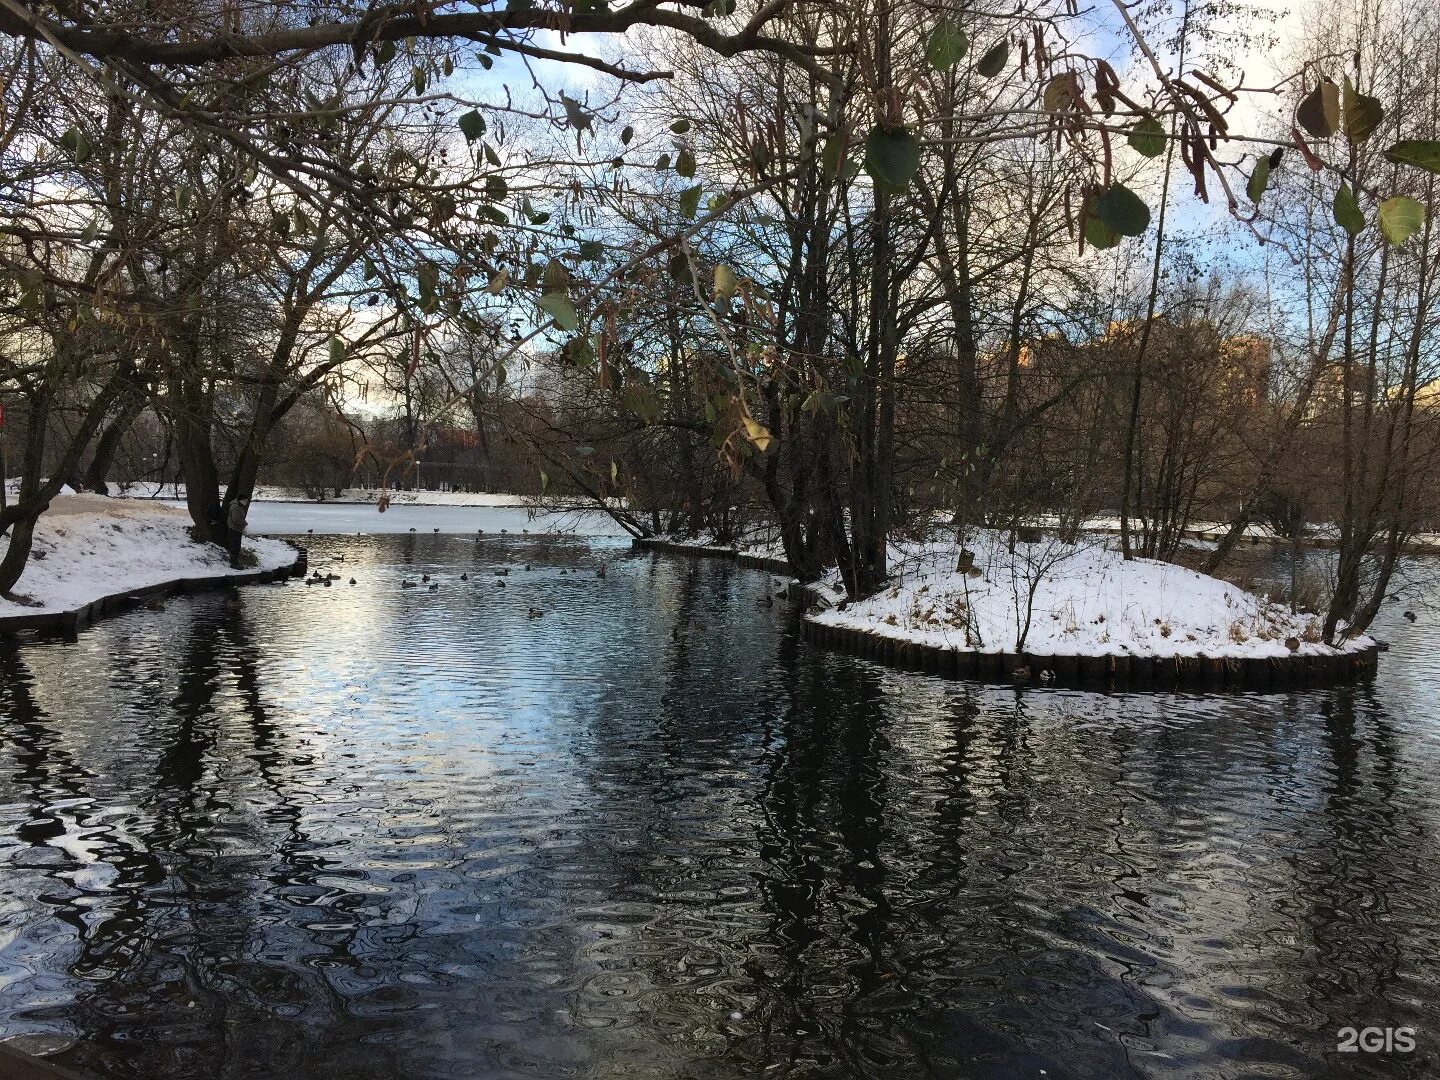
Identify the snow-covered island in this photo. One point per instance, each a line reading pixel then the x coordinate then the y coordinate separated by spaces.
pixel 90 546
pixel 1054 598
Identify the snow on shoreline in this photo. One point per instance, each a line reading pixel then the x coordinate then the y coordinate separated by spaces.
pixel 269 493
pixel 89 546
pixel 1082 599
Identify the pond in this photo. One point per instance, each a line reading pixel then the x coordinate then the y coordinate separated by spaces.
pixel 633 826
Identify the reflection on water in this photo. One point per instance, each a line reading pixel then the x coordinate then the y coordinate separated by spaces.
pixel 369 832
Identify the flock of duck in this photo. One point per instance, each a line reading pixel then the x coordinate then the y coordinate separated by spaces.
pixel 326 580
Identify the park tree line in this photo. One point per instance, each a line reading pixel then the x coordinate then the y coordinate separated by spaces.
pixel 858 271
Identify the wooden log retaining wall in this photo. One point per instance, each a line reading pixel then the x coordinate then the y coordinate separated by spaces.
pixel 1112 672
pixel 70 623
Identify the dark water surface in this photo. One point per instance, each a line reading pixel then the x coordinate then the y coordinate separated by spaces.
pixel 371 832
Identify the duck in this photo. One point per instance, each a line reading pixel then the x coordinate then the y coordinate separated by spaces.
pixel 435 587
pixel 600 573
pixel 437 528
pixel 407 584
pixel 500 582
pixel 1411 616
pixel 464 577
pixel 504 571
pixel 536 613
pixel 769 601
pixel 327 581
pixel 527 566
pixel 424 577
pixel 352 581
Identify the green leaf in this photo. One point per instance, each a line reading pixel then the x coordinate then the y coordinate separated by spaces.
pixel 491 157
pixel 685 164
pixel 725 282
pixel 1348 214
pixel 472 125
pixel 76 144
pixel 1099 235
pixel 947 45
pixel 1122 210
pixel 385 52
pixel 993 62
pixel 892 158
pixel 1417 153
pixel 830 157
pixel 591 250
pixel 641 400
pixel 1147 138
pixel 495 187
pixel 417 75
pixel 1401 218
pixel 1362 113
pixel 680 269
pixel 559 308
pixel 690 200
pixel 182 197
pixel 626 135
pixel 1319 111
pixel 336 349
pixel 681 126
pixel 1259 178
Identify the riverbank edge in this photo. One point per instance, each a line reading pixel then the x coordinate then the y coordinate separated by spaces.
pixel 1110 671
pixel 70 622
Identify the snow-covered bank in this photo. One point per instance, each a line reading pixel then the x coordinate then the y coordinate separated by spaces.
pixel 350 496
pixel 89 546
pixel 1054 599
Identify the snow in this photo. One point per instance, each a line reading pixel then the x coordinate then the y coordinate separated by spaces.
pixel 89 546
pixel 1087 601
pixel 288 519
pixel 364 496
